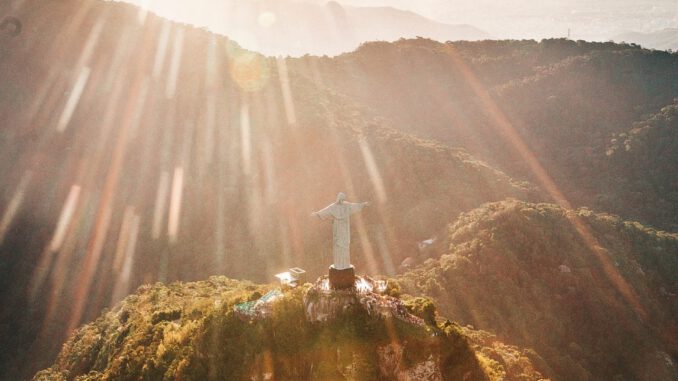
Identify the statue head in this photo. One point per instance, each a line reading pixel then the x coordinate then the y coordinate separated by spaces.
pixel 341 197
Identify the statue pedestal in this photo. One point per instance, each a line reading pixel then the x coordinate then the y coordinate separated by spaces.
pixel 342 279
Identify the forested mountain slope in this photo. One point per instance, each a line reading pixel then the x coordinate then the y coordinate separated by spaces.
pixel 594 295
pixel 564 100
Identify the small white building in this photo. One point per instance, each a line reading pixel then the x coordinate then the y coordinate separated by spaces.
pixel 292 278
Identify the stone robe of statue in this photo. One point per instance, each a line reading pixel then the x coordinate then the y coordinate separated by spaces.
pixel 341 228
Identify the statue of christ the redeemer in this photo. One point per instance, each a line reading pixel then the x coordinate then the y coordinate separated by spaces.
pixel 341 272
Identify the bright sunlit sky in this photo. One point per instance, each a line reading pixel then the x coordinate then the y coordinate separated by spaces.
pixel 594 20
pixel 589 19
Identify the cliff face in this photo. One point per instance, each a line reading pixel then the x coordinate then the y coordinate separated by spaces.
pixel 191 331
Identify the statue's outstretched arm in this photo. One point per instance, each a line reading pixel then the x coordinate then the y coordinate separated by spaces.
pixel 357 206
pixel 324 213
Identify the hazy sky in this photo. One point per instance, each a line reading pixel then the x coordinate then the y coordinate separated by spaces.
pixel 587 19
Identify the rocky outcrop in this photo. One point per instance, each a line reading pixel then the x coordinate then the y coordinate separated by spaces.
pixel 322 303
pixel 391 365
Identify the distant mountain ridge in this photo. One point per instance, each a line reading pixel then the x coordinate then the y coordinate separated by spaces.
pixel 665 39
pixel 296 28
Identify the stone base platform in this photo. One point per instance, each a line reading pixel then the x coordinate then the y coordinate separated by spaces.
pixel 324 303
pixel 342 279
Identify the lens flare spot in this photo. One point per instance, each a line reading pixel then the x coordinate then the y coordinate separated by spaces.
pixel 14 205
pixel 177 51
pixel 250 71
pixel 160 204
pixel 123 282
pixel 65 218
pixel 286 91
pixel 74 99
pixel 175 204
pixel 373 171
pixel 160 53
pixel 245 139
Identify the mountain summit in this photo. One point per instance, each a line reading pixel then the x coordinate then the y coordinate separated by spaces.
pixel 192 331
